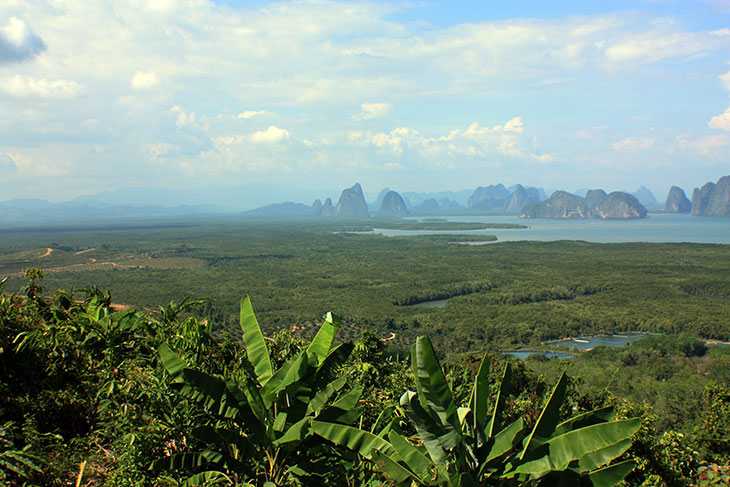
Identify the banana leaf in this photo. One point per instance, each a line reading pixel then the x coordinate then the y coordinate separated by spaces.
pixel 322 396
pixel 357 440
pixel 504 385
pixel 256 349
pixel 413 457
pixel 586 419
pixel 437 439
pixel 611 475
pixel 575 444
pixel 322 342
pixel 434 393
pixel 291 372
pixel 479 401
pixel 549 417
pixel 593 460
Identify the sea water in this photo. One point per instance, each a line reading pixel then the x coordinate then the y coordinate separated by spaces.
pixel 654 228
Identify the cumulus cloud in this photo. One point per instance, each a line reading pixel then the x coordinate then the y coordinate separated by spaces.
pixel 184 118
pixel 711 145
pixel 632 144
pixel 721 121
pixel 7 164
pixel 473 142
pixel 372 110
pixel 26 86
pixel 271 135
pixel 18 41
pixel 246 114
pixel 144 81
pixel 161 151
pixel 317 61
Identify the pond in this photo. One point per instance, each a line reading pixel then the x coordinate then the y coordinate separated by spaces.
pixel 438 303
pixel 590 342
pixel 523 354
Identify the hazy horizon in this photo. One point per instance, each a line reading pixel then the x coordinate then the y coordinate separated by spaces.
pixel 318 95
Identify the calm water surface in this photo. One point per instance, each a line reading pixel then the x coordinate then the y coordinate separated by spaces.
pixel 439 303
pixel 655 228
pixel 587 343
pixel 523 354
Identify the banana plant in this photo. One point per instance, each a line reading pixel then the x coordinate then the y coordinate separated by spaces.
pixel 466 446
pixel 259 426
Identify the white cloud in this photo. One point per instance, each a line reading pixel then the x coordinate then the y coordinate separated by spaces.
pixel 514 125
pixel 317 61
pixel 7 164
pixel 18 41
pixel 711 145
pixel 721 121
pixel 660 43
pixel 161 151
pixel 473 142
pixel 590 132
pixel 184 118
pixel 251 113
pixel 39 165
pixel 271 135
pixel 632 144
pixel 144 81
pixel 373 110
pixel 25 86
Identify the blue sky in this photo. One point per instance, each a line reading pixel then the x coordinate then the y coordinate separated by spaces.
pixel 411 95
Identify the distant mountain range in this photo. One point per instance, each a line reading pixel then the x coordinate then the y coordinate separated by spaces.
pixel 138 203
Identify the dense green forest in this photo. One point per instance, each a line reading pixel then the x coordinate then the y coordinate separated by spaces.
pixel 94 396
pixel 104 383
pixel 501 295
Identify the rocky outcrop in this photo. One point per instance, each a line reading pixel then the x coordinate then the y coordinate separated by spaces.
pixel 677 201
pixel 559 205
pixel 593 197
pixel 432 205
pixel 713 199
pixel 392 205
pixel 379 199
pixel 522 197
pixel 316 207
pixel 327 208
pixel 492 197
pixel 619 205
pixel 645 196
pixel 428 206
pixel 447 204
pixel 567 205
pixel 352 203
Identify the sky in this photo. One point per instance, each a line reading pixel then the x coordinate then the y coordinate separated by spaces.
pixel 417 96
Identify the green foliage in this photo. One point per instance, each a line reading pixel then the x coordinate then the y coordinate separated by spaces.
pixel 15 464
pixel 259 424
pixel 294 270
pixel 464 446
pixel 81 378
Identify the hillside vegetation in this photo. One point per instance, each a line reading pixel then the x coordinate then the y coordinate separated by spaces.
pixel 527 292
pixel 95 396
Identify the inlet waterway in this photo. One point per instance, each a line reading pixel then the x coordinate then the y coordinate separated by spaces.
pixel 582 343
pixel 438 303
pixel 587 343
pixel 523 354
pixel 655 228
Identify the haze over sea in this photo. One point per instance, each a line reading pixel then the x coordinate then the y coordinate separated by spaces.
pixel 655 228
